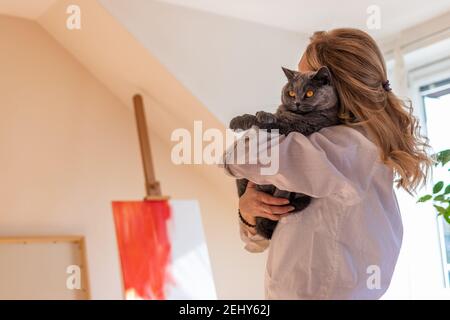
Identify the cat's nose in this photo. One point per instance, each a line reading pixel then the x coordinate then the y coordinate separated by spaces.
pixel 297 104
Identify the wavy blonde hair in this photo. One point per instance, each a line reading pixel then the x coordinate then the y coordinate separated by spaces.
pixel 359 72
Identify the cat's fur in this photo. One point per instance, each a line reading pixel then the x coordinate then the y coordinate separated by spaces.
pixel 295 114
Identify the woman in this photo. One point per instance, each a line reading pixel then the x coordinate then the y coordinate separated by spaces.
pixel 345 244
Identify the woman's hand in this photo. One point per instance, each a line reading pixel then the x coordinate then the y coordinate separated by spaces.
pixel 254 203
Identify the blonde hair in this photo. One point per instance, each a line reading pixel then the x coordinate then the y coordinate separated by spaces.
pixel 359 74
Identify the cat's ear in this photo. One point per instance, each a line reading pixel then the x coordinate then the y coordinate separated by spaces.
pixel 290 74
pixel 323 75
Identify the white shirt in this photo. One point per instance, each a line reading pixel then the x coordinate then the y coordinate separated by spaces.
pixel 345 244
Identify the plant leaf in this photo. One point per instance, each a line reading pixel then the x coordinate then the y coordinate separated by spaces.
pixel 438 187
pixel 440 209
pixel 447 218
pixel 425 198
pixel 447 189
pixel 443 157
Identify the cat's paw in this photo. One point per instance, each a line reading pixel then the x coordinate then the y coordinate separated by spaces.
pixel 265 117
pixel 237 123
pixel 243 122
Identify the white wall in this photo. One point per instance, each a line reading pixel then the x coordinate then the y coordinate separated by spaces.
pixel 232 66
pixel 69 144
pixel 125 67
pixel 68 147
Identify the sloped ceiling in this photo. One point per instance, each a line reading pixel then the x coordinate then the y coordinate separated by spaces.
pixel 232 66
pixel 307 16
pixel 109 52
pixel 208 53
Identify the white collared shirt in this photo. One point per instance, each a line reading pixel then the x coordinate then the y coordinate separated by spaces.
pixel 345 244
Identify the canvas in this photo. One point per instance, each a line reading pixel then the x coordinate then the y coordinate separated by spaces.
pixel 162 250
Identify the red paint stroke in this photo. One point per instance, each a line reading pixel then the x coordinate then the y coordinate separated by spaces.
pixel 144 246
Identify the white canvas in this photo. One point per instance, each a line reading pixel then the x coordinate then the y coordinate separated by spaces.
pixel 190 265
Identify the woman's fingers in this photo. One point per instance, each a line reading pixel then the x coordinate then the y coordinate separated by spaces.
pixel 268 199
pixel 274 217
pixel 254 203
pixel 281 209
pixel 251 185
pixel 275 209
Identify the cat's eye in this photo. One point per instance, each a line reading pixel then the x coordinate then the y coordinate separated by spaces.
pixel 309 93
pixel 291 94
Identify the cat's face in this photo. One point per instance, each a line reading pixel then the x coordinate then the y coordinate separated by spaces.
pixel 308 92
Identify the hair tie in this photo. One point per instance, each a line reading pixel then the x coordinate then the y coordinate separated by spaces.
pixel 387 86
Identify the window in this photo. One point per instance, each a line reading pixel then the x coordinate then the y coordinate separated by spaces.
pixel 436 101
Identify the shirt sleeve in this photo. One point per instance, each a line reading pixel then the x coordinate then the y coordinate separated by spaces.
pixel 336 162
pixel 253 242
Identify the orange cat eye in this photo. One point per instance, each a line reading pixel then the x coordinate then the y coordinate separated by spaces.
pixel 291 93
pixel 309 93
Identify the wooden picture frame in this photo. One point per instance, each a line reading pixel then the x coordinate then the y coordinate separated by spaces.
pixel 34 267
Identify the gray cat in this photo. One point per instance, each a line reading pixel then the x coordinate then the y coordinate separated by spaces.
pixel 309 103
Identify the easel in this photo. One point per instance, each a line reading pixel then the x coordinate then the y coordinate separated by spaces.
pixel 152 186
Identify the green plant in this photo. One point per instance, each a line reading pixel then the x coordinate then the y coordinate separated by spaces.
pixel 441 193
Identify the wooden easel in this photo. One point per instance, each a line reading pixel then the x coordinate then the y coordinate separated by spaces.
pixel 152 186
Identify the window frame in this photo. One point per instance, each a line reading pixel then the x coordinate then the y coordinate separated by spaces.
pixel 417 78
